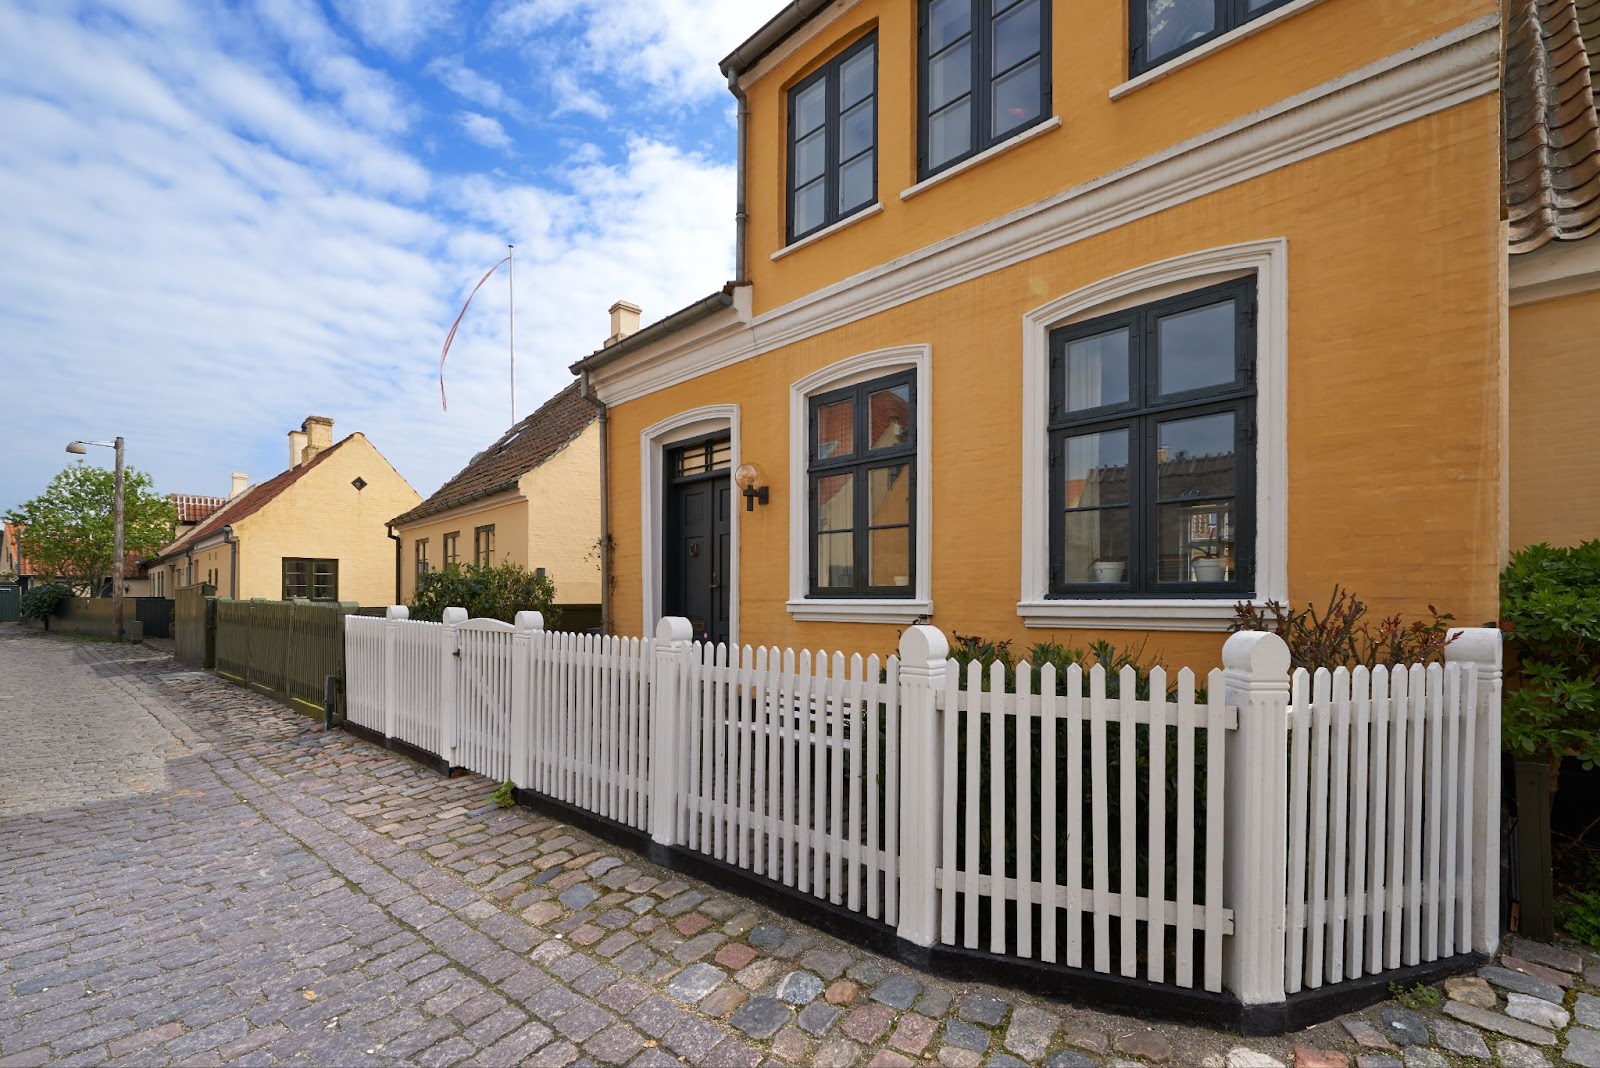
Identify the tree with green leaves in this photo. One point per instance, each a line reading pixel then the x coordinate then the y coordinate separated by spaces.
pixel 68 531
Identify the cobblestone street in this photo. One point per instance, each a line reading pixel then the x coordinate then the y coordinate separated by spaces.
pixel 192 874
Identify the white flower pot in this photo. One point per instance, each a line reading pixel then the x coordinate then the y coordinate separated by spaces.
pixel 1108 570
pixel 1207 570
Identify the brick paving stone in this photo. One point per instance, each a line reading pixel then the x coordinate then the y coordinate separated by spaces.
pixel 1312 1057
pixel 1423 1057
pixel 682 903
pixel 767 936
pixel 816 1018
pixel 691 924
pixel 1550 956
pixel 1506 979
pixel 1148 1046
pixel 888 1058
pixel 1538 971
pixel 1537 1011
pixel 982 1009
pixel 695 982
pixel 761 1017
pixel 840 1052
pixel 1586 1010
pixel 1493 1021
pixel 1378 1060
pixel 615 1045
pixel 1471 989
pixel 867 1023
pixel 1365 1035
pixel 913 1033
pixel 721 1002
pixel 962 1035
pixel 799 988
pixel 1066 1058
pixel 734 956
pixel 1004 1060
pixel 1514 1054
pixel 842 992
pixel 791 1044
pixel 1460 1039
pixel 1583 1048
pixel 1030 1032
pixel 897 992
pixel 1402 1026
pixel 692 1037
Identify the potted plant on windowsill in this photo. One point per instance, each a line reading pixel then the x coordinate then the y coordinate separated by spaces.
pixel 1109 570
pixel 1207 567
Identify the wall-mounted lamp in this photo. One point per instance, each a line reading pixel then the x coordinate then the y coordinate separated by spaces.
pixel 746 478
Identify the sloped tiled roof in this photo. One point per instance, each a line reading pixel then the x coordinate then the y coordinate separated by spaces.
pixel 1552 164
pixel 519 450
pixel 13 533
pixel 251 501
pixel 192 508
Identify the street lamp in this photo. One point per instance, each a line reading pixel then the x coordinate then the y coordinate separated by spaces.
pixel 77 449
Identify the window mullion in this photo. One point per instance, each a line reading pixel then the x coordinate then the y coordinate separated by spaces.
pixel 982 48
pixel 832 123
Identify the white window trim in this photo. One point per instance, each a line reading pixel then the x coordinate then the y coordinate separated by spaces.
pixel 875 208
pixel 654 441
pixel 1268 260
pixel 862 368
pixel 1020 138
pixel 1233 36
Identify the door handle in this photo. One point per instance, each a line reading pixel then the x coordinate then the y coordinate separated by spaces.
pixel 714 578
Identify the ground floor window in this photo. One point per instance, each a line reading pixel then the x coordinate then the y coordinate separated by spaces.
pixel 452 550
pixel 317 580
pixel 1151 435
pixel 483 546
pixel 422 557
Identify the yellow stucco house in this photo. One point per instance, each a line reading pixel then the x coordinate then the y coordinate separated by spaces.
pixel 317 530
pixel 1072 320
pixel 531 498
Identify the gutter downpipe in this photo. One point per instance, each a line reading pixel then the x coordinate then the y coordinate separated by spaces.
pixel 740 214
pixel 398 561
pixel 587 392
pixel 233 560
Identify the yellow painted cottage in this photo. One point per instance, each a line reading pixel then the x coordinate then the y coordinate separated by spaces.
pixel 1056 319
pixel 316 530
pixel 531 498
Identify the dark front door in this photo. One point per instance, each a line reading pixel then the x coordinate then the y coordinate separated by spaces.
pixel 695 550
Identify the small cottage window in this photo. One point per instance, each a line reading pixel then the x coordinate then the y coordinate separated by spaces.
pixel 314 579
pixel 833 140
pixel 1159 30
pixel 985 74
pixel 452 551
pixel 862 473
pixel 483 546
pixel 422 557
pixel 1152 431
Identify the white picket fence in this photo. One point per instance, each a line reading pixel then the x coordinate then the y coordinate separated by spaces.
pixel 1250 831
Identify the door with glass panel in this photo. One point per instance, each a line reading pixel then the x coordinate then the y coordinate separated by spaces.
pixel 696 536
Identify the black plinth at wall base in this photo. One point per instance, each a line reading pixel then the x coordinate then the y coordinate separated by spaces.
pixel 395 745
pixel 1076 986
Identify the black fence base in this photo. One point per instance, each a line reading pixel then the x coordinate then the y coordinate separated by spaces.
pixel 395 745
pixel 1073 986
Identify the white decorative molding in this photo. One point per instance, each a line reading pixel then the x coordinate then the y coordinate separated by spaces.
pixel 827 231
pixel 1234 36
pixel 867 365
pixel 654 441
pixel 1268 261
pixel 1560 269
pixel 1021 138
pixel 1427 78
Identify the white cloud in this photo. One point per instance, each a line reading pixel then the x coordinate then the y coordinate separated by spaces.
pixel 473 87
pixel 672 46
pixel 198 256
pixel 396 26
pixel 365 94
pixel 483 129
pixel 572 99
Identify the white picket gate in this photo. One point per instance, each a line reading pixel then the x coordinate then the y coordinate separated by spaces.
pixel 1261 835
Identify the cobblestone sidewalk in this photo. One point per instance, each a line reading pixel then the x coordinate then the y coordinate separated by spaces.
pixel 191 874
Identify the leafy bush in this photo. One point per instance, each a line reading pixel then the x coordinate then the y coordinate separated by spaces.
pixel 1343 636
pixel 1550 609
pixel 966 649
pixel 45 600
pixel 498 592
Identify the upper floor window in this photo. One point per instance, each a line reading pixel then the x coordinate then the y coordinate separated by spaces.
pixel 483 546
pixel 1152 474
pixel 985 75
pixel 833 140
pixel 1161 29
pixel 863 493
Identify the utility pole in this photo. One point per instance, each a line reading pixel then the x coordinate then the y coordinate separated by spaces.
pixel 117 563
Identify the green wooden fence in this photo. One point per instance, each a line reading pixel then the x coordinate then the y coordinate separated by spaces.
pixel 194 624
pixel 286 647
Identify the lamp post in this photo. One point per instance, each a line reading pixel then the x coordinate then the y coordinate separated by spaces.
pixel 77 449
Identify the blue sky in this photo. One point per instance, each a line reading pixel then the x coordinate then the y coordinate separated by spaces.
pixel 220 218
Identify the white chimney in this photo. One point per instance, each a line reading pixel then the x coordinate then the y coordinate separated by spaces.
pixel 297 448
pixel 241 482
pixel 624 321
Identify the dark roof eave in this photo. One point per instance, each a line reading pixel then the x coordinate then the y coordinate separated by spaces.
pixel 770 36
pixel 423 511
pixel 703 308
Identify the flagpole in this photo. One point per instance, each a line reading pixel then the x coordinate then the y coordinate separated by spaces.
pixel 511 307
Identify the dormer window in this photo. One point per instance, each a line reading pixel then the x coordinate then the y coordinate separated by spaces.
pixel 985 76
pixel 833 140
pixel 1162 29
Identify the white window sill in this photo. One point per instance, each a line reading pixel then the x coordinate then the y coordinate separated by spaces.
pixel 865 610
pixel 795 246
pixel 1191 615
pixel 1052 123
pixel 1236 34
